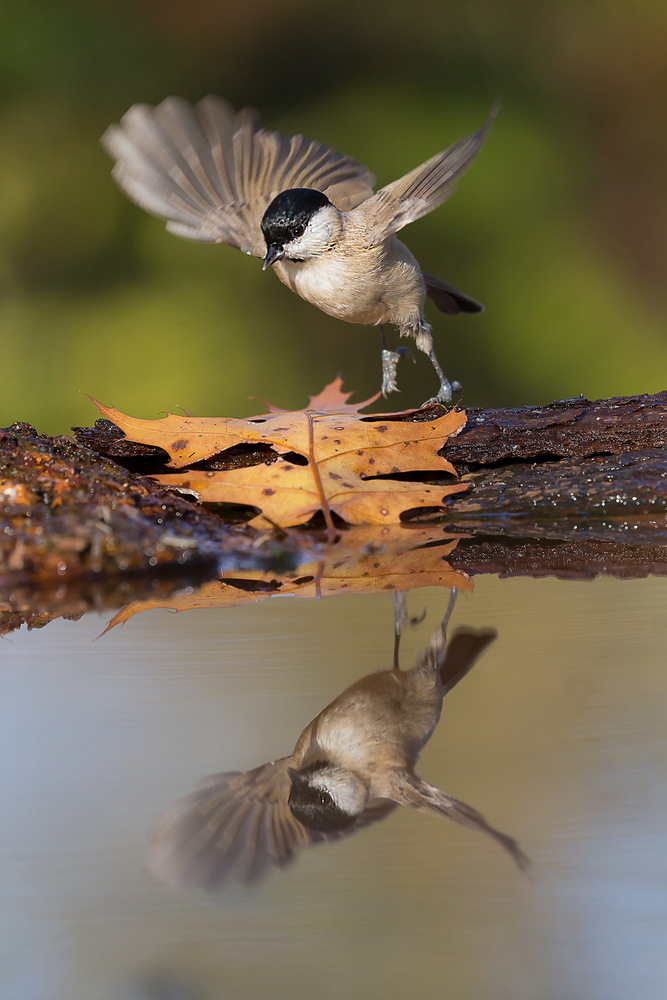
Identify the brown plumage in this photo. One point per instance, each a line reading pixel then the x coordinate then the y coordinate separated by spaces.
pixel 350 767
pixel 215 176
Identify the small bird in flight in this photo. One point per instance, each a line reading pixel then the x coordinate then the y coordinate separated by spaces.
pixel 307 211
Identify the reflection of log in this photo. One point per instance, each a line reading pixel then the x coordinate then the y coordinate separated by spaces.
pixel 573 559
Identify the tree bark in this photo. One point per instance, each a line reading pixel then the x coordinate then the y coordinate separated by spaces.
pixel 574 489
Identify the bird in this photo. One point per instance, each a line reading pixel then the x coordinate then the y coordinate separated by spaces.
pixel 309 212
pixel 351 766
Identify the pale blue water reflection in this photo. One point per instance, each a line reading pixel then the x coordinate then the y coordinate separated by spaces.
pixel 557 736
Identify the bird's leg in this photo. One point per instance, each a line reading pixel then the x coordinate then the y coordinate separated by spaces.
pixel 390 361
pixel 446 387
pixel 424 342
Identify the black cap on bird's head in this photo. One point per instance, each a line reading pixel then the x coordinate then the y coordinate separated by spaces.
pixel 314 806
pixel 286 219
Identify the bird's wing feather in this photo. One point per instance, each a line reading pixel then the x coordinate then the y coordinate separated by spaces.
pixel 413 791
pixel 212 173
pixel 237 823
pixel 419 192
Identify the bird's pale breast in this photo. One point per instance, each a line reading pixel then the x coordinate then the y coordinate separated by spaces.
pixel 369 286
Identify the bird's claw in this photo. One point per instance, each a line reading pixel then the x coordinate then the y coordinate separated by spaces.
pixel 390 361
pixel 444 396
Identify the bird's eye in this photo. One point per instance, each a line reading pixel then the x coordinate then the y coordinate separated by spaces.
pixel 325 798
pixel 298 231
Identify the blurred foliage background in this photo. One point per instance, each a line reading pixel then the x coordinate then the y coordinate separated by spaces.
pixel 559 228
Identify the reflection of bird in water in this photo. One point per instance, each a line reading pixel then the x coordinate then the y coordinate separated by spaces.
pixel 307 211
pixel 351 766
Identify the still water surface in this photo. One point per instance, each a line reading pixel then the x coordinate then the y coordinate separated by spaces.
pixel 558 735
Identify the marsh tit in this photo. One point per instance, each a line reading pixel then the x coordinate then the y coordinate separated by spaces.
pixel 309 212
pixel 350 767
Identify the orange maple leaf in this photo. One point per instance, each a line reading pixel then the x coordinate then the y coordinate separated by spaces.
pixel 320 459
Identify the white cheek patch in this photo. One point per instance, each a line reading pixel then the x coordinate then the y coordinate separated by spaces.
pixel 346 793
pixel 317 238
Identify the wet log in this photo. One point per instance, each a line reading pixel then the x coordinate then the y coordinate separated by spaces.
pixel 66 512
pixel 574 488
pixel 567 428
pixel 572 470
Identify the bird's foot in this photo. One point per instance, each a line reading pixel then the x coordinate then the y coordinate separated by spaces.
pixel 445 394
pixel 390 361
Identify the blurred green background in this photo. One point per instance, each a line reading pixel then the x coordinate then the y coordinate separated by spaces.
pixel 559 228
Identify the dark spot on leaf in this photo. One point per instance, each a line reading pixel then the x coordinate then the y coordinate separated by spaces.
pixel 268 492
pixel 179 445
pixel 371 461
pixel 380 429
pixel 334 475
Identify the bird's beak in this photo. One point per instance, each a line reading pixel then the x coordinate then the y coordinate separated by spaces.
pixel 273 254
pixel 298 780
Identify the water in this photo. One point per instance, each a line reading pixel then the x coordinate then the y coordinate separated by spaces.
pixel 557 735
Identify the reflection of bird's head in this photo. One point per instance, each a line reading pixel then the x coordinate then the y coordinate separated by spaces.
pixel 326 798
pixel 299 224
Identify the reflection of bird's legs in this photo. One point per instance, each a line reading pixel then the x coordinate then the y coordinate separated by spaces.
pixel 453 594
pixel 401 618
pixel 390 361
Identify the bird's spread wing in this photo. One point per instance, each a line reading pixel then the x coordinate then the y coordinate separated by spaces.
pixel 423 189
pixel 412 791
pixel 212 173
pixel 237 823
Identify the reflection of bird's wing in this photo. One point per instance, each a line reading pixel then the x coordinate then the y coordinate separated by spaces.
pixel 419 192
pixel 240 822
pixel 212 173
pixel 413 791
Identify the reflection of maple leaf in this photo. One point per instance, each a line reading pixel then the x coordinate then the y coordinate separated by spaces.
pixel 318 459
pixel 366 559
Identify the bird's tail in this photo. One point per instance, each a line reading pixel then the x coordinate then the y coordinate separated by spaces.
pixel 455 658
pixel 449 300
pixel 462 652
